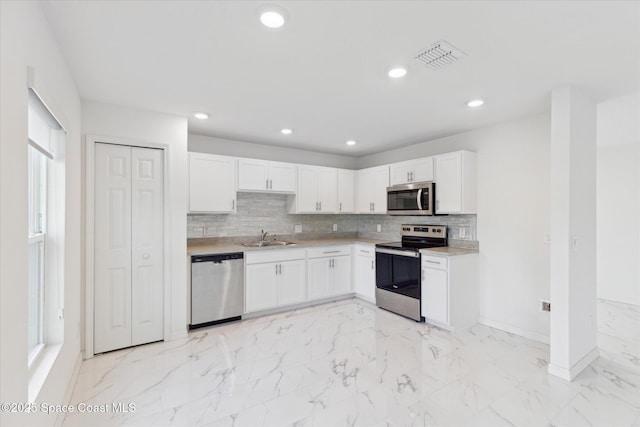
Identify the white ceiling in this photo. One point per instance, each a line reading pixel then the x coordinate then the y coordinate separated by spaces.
pixel 324 73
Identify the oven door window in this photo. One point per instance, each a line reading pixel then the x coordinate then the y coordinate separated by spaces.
pixel 399 274
pixel 404 200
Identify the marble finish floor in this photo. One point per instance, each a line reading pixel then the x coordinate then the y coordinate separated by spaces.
pixel 350 363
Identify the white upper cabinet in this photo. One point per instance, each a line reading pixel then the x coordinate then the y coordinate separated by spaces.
pixel 455 178
pixel 262 175
pixel 317 190
pixel 417 170
pixel 212 183
pixel 371 189
pixel 346 190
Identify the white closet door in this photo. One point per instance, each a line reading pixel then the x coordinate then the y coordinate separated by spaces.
pixel 129 242
pixel 112 264
pixel 147 287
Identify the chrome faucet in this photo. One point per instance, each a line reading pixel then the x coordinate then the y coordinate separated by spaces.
pixel 263 235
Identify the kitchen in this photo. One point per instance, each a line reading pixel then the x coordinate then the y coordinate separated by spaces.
pixel 514 161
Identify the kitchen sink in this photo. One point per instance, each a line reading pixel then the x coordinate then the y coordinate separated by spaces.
pixel 262 244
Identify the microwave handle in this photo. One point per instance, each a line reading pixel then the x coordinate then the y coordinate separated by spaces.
pixel 420 199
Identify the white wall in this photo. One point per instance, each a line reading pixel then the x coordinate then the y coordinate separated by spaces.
pixel 145 126
pixel 26 40
pixel 513 217
pixel 618 199
pixel 228 147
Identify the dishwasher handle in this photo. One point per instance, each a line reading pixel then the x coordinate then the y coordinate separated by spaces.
pixel 218 258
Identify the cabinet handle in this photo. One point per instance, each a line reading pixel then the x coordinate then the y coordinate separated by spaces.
pixel 331 252
pixel 320 204
pixel 433 262
pixel 276 269
pixel 365 251
pixel 408 179
pixel 267 184
pixel 233 205
pixel 340 206
pixel 271 184
pixel 280 269
pixel 372 266
pixel 373 206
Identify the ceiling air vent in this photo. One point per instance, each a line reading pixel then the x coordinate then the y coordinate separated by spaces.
pixel 439 55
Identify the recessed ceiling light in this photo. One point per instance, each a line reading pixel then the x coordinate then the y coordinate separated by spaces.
pixel 475 103
pixel 397 72
pixel 351 142
pixel 201 116
pixel 286 131
pixel 272 19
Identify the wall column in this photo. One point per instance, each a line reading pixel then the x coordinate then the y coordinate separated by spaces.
pixel 573 233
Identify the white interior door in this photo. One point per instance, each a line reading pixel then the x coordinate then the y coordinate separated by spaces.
pixel 147 218
pixel 112 264
pixel 129 242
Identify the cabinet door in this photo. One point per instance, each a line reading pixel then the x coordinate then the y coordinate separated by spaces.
pixel 292 282
pixel 328 190
pixel 340 275
pixel 211 183
pixel 318 278
pixel 253 175
pixel 363 191
pixel 282 177
pixel 400 173
pixel 346 186
pixel 379 189
pixel 365 277
pixel 435 295
pixel 307 195
pixel 423 169
pixel 261 291
pixel 449 183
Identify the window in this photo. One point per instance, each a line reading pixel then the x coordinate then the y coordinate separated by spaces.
pixel 44 152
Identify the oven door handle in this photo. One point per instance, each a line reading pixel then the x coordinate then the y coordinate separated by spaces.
pixel 420 199
pixel 397 252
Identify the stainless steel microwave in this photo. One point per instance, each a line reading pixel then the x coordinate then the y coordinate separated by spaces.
pixel 417 198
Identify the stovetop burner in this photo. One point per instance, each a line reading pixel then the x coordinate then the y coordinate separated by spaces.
pixel 419 236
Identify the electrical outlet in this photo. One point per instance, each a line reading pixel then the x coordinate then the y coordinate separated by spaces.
pixel 462 233
pixel 297 228
pixel 335 227
pixel 545 305
pixel 379 228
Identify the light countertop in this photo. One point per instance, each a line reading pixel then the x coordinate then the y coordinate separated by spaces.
pixel 218 248
pixel 448 251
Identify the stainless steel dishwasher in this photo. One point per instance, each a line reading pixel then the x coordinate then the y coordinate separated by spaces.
pixel 217 289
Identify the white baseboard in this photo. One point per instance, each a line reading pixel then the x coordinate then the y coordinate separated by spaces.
pixel 514 330
pixel 574 371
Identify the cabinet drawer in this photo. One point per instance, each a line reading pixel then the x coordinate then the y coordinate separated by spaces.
pixel 328 251
pixel 270 255
pixel 434 262
pixel 365 250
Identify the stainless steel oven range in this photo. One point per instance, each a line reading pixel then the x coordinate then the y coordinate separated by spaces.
pixel 398 270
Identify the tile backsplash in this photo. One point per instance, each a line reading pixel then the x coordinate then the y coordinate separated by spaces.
pixel 268 212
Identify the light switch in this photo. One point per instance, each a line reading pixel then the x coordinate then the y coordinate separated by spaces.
pixel 379 228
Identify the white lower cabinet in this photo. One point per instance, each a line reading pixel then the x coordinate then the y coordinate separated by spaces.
pixel 364 277
pixel 449 290
pixel 328 271
pixel 274 279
